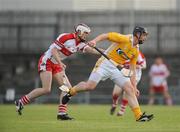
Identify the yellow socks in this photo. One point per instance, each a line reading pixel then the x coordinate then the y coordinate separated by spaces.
pixel 72 91
pixel 137 112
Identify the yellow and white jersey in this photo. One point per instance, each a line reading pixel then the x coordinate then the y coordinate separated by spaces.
pixel 122 48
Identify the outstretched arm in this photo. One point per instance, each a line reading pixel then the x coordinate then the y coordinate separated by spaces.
pixel 99 38
pixel 111 36
pixel 91 50
pixel 55 54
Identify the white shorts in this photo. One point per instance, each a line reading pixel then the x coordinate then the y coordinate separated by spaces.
pixel 104 70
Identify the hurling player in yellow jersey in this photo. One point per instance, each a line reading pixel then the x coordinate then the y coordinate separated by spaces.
pixel 123 48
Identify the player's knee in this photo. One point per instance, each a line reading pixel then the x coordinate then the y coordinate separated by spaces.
pixel 47 90
pixel 115 95
pixel 129 89
pixel 90 85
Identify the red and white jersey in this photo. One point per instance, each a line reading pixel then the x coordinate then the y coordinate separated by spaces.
pixel 158 74
pixel 141 61
pixel 67 44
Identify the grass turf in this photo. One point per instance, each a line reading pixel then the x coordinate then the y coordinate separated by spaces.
pixel 88 118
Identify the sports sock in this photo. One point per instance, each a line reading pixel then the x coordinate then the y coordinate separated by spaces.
pixel 114 100
pixel 124 103
pixel 62 109
pixel 24 100
pixel 137 112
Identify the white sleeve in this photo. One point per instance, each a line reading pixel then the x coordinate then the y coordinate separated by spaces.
pixel 82 47
pixel 141 61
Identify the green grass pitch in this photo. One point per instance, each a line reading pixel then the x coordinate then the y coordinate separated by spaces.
pixel 88 118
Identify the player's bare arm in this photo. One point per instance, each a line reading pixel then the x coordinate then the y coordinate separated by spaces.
pixel 92 50
pixel 99 38
pixel 56 57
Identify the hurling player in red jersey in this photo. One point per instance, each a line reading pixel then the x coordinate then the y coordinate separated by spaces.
pixel 51 67
pixel 158 81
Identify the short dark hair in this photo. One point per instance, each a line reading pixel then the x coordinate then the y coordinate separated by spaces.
pixel 139 29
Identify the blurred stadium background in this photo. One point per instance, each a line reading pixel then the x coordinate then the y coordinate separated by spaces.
pixel 27 28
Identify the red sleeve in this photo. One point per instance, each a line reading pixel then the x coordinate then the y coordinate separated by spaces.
pixel 63 38
pixel 66 37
